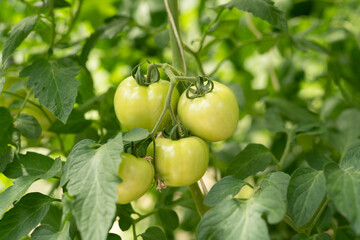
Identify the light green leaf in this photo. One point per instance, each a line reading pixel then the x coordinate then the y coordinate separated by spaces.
pixel 348 128
pixel 136 134
pixel 307 187
pixel 343 189
pixel 28 126
pixel 54 83
pixel 236 219
pixel 17 34
pixel 254 158
pixel 278 180
pixel 2 82
pixel 263 9
pixel 162 38
pixel 92 177
pixel 351 158
pixel 24 216
pixel 228 186
pixel 46 232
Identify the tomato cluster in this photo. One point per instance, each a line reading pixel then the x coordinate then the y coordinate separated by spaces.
pixel 177 162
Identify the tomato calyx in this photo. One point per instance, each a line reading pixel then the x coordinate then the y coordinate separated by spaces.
pixel 200 87
pixel 176 131
pixel 152 76
pixel 160 185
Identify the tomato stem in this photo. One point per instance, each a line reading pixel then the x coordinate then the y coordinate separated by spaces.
pixel 289 137
pixel 198 198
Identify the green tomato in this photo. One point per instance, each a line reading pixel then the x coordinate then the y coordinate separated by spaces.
pixel 213 117
pixel 141 106
pixel 137 175
pixel 180 162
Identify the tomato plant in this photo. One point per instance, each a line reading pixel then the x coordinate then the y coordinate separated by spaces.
pixel 141 106
pixel 214 116
pixel 263 142
pixel 137 175
pixel 180 162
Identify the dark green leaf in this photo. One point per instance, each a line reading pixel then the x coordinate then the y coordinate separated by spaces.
pixel 21 185
pixel 307 187
pixel 24 216
pixel 254 158
pixel 61 4
pixel 153 233
pixel 28 126
pixel 124 212
pixel 17 34
pixel 76 123
pixel 91 176
pixel 228 186
pixel 2 82
pixel 30 163
pixel 5 129
pixel 112 236
pixel 55 85
pixel 169 218
pixel 53 217
pixel 136 134
pixel 6 158
pixel 274 121
pixel 302 236
pixel 263 9
pixel 343 189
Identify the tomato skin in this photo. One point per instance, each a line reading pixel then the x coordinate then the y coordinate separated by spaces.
pixel 180 162
pixel 137 176
pixel 141 106
pixel 213 117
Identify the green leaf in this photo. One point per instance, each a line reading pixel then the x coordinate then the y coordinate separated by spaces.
pixel 228 186
pixel 273 121
pixel 53 217
pixel 136 134
pixel 307 187
pixel 6 158
pixel 320 236
pixel 343 189
pixel 24 216
pixel 153 233
pixel 263 9
pixel 278 180
pixel 5 129
pixel 113 236
pixel 107 31
pixel 28 126
pixel 162 38
pixel 169 218
pixel 31 163
pixel 76 123
pixel 46 232
pixel 2 82
pixel 17 34
pixel 54 83
pixel 254 158
pixel 61 4
pixel 348 129
pixel 236 219
pixel 351 158
pixel 21 185
pixel 124 212
pixel 304 45
pixel 92 177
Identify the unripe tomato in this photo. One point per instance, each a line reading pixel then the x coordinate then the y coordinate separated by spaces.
pixel 137 175
pixel 213 117
pixel 180 162
pixel 141 106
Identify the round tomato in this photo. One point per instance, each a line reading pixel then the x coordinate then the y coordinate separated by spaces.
pixel 180 162
pixel 213 117
pixel 141 106
pixel 137 175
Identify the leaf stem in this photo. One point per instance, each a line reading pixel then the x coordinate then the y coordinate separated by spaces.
pixel 289 137
pixel 317 215
pixel 134 230
pixel 53 28
pixel 72 21
pixel 23 104
pixel 198 198
pixel 197 58
pixel 145 216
